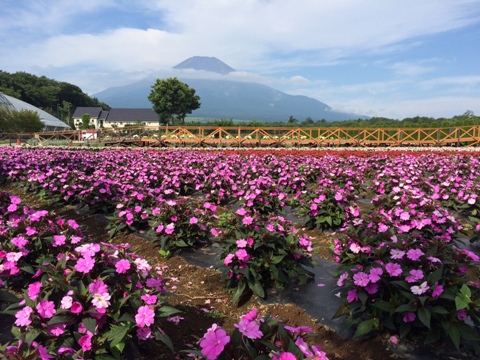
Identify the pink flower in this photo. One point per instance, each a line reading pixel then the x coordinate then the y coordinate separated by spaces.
pixel 46 309
pixel 86 342
pixel 241 212
pixel 228 259
pixel 409 316
pixel 30 231
pixel 84 265
pixel 98 286
pixel 34 290
pixel 397 254
pixel 251 315
pixel 59 240
pixel 149 299
pixel 56 329
pixel 414 254
pixel 193 220
pixel 170 228
pixel 247 220
pixel 393 269
pixel 19 241
pixel 122 266
pixel 213 342
pixel 284 356
pixel 375 273
pixel 242 255
pixel 438 290
pixel 241 243
pixel 73 224
pixel 250 329
pixel 23 316
pixel 394 339
pixel 145 316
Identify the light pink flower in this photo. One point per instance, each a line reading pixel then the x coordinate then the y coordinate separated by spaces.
pixel 228 259
pixel 193 220
pixel 247 220
pixel 421 289
pixel 23 316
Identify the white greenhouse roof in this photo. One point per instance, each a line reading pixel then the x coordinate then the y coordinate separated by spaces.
pixel 50 121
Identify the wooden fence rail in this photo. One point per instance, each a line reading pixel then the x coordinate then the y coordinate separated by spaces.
pixel 266 136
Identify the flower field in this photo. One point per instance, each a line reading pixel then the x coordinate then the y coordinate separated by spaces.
pixel 405 227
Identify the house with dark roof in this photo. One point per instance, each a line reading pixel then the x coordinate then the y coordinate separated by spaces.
pixel 115 117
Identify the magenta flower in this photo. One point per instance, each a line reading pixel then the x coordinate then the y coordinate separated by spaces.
pixel 84 265
pixel 23 316
pixel 76 308
pixel 149 299
pixel 19 241
pixel 415 275
pixel 213 342
pixel 284 356
pixel 145 316
pixel 251 315
pixel 59 240
pixel 46 309
pixel 122 266
pixel 438 290
pixel 361 279
pixel 86 342
pixel 462 314
pixel 34 290
pixel 250 329
pixel 56 329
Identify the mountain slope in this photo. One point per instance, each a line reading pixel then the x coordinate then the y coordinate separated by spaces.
pixel 227 99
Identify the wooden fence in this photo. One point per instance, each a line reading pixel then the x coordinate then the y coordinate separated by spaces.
pixel 195 136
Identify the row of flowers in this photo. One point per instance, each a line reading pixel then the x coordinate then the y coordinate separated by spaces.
pixel 85 299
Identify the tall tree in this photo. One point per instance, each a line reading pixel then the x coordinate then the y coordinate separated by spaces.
pixel 172 100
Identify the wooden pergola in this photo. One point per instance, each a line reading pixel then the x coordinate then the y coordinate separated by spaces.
pixel 233 136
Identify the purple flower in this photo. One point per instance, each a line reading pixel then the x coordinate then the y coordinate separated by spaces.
pixel 352 295
pixel 213 342
pixel 415 275
pixel 361 279
pixel 462 314
pixel 393 269
pixel 396 254
pixel 438 290
pixel 409 316
pixel 375 273
pixel 414 254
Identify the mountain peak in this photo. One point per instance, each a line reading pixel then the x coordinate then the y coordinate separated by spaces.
pixel 206 63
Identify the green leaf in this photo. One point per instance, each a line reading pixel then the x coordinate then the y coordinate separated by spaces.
pixel 384 306
pixel 117 334
pixel 90 324
pixel 239 291
pixel 165 339
pixel 277 259
pixel 454 334
pixel 460 302
pixel 58 319
pixel 258 289
pixel 406 308
pixel 168 310
pixel 32 334
pixel 364 328
pixel 424 315
pixel 465 290
pixel 5 296
pixel 439 310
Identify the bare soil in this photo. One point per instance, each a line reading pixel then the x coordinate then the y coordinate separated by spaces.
pixel 201 296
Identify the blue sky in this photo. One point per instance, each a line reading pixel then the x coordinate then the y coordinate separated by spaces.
pixel 392 58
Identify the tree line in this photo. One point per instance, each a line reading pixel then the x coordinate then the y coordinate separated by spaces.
pixel 57 98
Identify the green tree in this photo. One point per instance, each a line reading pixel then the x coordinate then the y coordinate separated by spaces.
pixel 86 122
pixel 172 100
pixel 14 121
